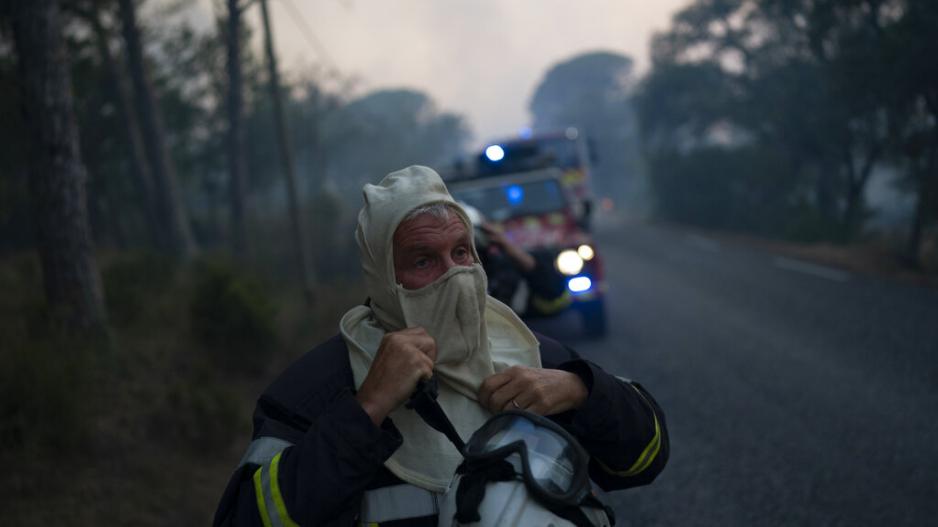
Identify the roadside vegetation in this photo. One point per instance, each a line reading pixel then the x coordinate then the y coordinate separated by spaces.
pixel 149 427
pixel 813 122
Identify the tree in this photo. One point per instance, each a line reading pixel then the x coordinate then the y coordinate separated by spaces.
pixel 397 128
pixel 237 164
pixel 286 158
pixel 913 106
pixel 57 175
pixel 176 232
pixel 803 78
pixel 591 91
pixel 139 166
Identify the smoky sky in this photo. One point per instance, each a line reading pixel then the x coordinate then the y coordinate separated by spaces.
pixel 480 58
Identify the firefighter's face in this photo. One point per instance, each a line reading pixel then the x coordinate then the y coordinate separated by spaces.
pixel 426 247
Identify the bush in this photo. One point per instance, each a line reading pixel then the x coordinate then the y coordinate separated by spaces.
pixel 748 189
pixel 197 411
pixel 132 281
pixel 44 377
pixel 44 396
pixel 232 318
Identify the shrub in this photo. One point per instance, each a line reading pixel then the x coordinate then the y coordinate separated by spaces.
pixel 232 318
pixel 132 281
pixel 44 377
pixel 748 189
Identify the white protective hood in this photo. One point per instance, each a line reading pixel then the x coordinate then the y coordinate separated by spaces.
pixel 426 458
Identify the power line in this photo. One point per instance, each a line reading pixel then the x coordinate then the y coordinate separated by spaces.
pixel 308 34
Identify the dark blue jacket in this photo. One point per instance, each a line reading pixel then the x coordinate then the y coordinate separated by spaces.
pixel 329 453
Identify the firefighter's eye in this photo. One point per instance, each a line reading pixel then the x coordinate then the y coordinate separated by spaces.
pixel 461 254
pixel 422 263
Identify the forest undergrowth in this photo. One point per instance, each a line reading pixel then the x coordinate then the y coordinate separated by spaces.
pixel 143 427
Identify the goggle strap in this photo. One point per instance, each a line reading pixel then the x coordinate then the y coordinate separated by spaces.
pixel 575 515
pixel 471 489
pixel 423 401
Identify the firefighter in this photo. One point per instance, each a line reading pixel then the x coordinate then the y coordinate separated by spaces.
pixel 333 443
pixel 525 281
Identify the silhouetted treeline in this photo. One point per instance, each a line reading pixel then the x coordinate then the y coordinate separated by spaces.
pixel 773 115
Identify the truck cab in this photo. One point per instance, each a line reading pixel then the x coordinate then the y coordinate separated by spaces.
pixel 536 211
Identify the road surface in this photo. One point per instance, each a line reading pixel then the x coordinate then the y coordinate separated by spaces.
pixel 795 394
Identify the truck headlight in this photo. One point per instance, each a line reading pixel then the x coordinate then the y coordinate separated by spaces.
pixel 569 262
pixel 586 252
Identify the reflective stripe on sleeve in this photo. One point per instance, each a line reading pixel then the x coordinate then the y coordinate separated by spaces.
pixel 647 456
pixel 262 450
pixel 397 503
pixel 552 305
pixel 270 504
pixel 261 498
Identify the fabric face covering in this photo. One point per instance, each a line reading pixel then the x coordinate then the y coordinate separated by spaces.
pixel 451 309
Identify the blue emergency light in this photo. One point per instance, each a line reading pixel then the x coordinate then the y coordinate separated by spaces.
pixel 515 194
pixel 579 284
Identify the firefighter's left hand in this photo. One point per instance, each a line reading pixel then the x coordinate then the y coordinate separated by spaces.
pixel 537 390
pixel 497 238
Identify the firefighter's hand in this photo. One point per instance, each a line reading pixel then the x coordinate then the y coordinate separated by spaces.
pixel 403 358
pixel 497 237
pixel 495 234
pixel 538 390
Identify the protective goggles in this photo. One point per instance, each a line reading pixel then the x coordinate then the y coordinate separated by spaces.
pixel 553 464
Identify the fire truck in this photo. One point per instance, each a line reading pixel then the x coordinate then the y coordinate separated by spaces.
pixel 565 150
pixel 536 191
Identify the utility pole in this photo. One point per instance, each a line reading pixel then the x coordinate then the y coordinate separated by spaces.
pixel 286 158
pixel 237 166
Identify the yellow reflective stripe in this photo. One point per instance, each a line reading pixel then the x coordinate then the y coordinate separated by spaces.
pixel 643 461
pixel 553 305
pixel 647 456
pixel 275 492
pixel 259 494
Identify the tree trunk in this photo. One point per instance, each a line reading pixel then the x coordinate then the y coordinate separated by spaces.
pixel 237 166
pixel 857 179
pixel 925 185
pixel 913 247
pixel 139 166
pixel 57 176
pixel 824 192
pixel 175 224
pixel 286 157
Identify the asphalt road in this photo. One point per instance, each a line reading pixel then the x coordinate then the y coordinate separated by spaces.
pixel 795 394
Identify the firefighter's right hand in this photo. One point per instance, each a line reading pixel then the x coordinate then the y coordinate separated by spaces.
pixel 403 358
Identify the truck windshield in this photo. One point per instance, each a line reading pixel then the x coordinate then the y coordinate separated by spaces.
pixel 511 200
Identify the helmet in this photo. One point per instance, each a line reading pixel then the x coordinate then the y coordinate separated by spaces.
pixel 477 218
pixel 519 468
pixel 510 503
pixel 523 469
